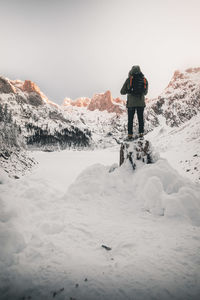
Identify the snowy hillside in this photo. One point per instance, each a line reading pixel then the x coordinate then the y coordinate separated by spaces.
pixel 180 101
pixel 107 129
pixel 180 146
pixel 28 120
pixel 42 122
pixel 53 225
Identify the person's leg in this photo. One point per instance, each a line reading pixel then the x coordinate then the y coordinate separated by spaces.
pixel 131 112
pixel 140 115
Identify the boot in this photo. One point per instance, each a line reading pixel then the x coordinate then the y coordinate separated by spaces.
pixel 141 135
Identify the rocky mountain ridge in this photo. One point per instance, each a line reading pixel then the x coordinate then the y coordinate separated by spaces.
pixel 100 118
pixel 180 101
pixel 29 119
pixel 100 101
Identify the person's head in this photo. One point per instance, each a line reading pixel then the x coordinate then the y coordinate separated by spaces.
pixel 134 70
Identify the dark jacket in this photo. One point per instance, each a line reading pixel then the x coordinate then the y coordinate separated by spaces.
pixel 133 100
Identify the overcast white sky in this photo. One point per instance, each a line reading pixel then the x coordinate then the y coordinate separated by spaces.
pixel 74 48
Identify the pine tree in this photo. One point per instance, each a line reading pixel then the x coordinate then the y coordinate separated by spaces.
pixel 10 119
pixel 1 113
pixel 5 113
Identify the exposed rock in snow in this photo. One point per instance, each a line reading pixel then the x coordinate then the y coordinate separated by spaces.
pixel 41 123
pixel 31 87
pixel 106 102
pixel 137 152
pixel 27 118
pixel 180 145
pixel 5 86
pixel 180 101
pixel 101 102
pixel 16 162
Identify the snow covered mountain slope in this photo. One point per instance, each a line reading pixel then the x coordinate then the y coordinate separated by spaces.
pixel 52 231
pixel 107 129
pixel 42 123
pixel 100 101
pixel 180 101
pixel 98 122
pixel 180 146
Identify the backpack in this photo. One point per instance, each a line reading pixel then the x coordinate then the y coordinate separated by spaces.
pixel 138 85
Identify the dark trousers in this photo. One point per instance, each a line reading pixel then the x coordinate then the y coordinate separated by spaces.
pixel 131 112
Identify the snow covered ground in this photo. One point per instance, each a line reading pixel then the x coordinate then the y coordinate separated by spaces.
pixel 180 146
pixel 54 221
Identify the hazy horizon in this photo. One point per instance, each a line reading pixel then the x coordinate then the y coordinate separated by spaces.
pixel 79 48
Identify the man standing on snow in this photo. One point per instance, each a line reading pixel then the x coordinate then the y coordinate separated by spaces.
pixel 136 87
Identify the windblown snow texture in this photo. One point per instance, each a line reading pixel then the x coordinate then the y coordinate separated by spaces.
pixel 53 226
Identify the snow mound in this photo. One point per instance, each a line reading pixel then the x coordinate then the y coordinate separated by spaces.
pixel 51 243
pixel 156 188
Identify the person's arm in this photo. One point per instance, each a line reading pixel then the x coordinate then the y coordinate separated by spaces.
pixel 124 89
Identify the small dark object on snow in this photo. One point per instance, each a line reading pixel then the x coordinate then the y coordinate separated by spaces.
pixel 106 247
pixel 86 279
pixel 195 155
pixel 77 285
pixel 131 160
pixel 57 292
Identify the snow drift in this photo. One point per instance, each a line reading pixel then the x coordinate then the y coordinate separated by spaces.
pixel 156 188
pixel 51 244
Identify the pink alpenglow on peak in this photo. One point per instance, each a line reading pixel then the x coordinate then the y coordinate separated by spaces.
pixel 106 102
pixel 30 87
pixel 79 102
pixel 101 102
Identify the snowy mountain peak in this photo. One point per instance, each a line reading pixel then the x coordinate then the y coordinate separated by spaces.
pixel 79 102
pixel 180 101
pixel 5 86
pixel 106 102
pixel 100 101
pixel 29 86
pixel 186 79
